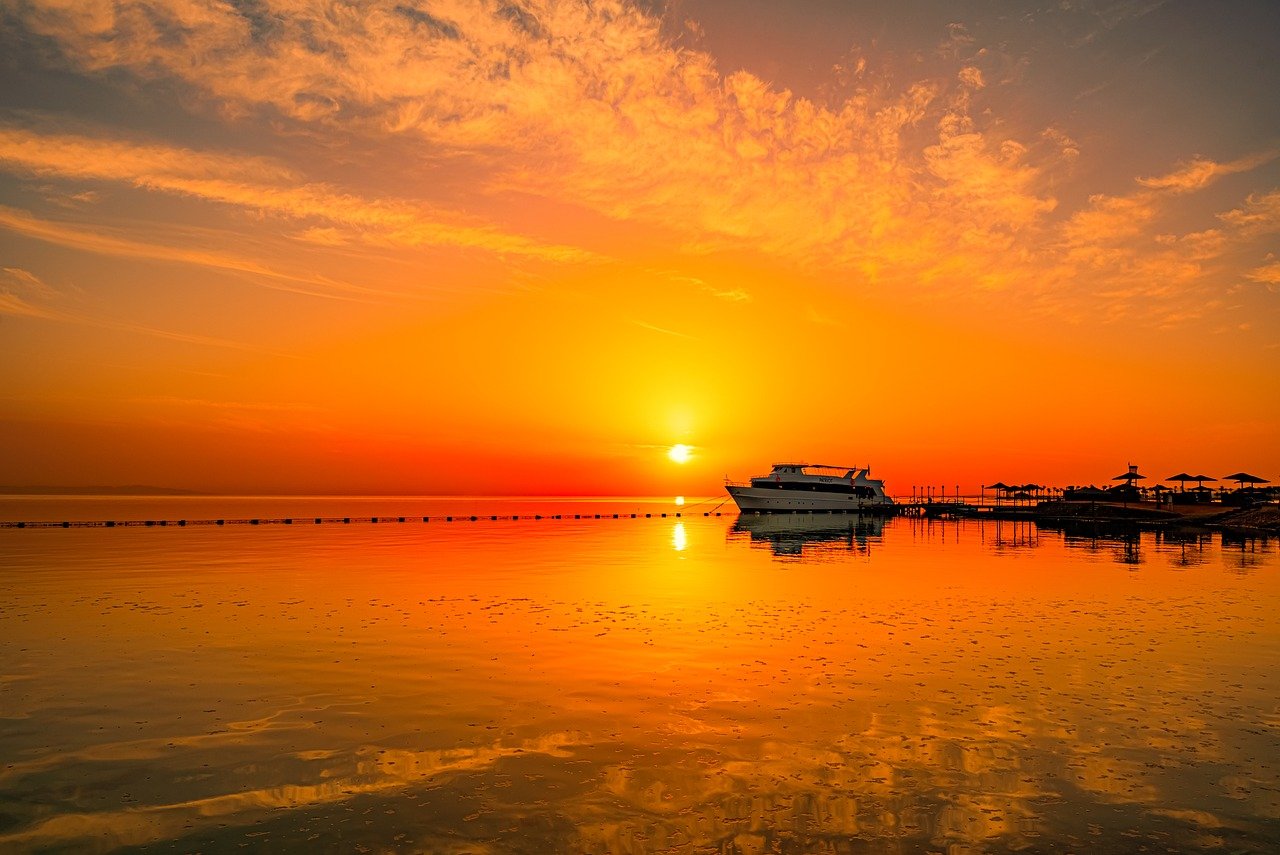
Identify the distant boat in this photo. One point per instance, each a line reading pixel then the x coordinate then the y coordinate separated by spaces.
pixel 811 487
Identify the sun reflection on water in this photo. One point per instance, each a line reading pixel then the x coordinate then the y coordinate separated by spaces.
pixel 679 539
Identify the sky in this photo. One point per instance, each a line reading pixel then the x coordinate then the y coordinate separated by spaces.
pixel 520 248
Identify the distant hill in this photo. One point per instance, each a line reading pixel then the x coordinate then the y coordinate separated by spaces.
pixel 127 490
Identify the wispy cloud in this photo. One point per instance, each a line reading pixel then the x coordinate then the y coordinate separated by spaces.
pixel 255 184
pixel 1201 172
pixel 1267 274
pixel 662 330
pixel 104 243
pixel 23 294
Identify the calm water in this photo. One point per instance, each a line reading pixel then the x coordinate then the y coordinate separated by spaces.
pixel 701 684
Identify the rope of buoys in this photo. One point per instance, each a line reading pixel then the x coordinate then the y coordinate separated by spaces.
pixel 261 521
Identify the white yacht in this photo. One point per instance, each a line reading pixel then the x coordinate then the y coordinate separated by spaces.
pixel 811 487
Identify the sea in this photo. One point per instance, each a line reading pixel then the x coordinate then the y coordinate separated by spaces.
pixel 627 675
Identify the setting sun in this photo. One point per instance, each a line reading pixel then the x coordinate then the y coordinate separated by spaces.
pixel 680 453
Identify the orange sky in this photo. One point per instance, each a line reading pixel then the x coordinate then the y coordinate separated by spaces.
pixel 522 248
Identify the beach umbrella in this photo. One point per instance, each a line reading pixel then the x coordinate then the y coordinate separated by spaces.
pixel 1130 476
pixel 1244 477
pixel 999 485
pixel 1182 478
pixel 1200 479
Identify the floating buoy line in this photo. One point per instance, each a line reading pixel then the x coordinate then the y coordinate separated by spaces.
pixel 381 520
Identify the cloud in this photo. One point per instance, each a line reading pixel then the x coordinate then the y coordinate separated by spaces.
pixel 105 243
pixel 1200 172
pixel 23 294
pixel 255 184
pixel 1260 215
pixel 910 183
pixel 586 104
pixel 662 330
pixel 1268 274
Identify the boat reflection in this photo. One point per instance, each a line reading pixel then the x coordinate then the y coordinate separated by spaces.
pixel 809 534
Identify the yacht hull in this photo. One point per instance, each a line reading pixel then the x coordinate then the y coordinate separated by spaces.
pixel 773 499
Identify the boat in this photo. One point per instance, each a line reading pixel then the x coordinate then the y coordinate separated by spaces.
pixel 791 487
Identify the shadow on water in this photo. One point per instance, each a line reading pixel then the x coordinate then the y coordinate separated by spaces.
pixel 788 535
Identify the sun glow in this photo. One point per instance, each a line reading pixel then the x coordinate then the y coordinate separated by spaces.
pixel 680 453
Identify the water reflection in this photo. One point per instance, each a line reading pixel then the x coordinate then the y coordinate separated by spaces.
pixel 1247 551
pixel 679 539
pixel 1122 542
pixel 1185 547
pixel 1011 534
pixel 635 686
pixel 788 535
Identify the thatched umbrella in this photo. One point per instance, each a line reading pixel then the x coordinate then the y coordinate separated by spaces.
pixel 1200 479
pixel 1244 477
pixel 1182 478
pixel 1031 488
pixel 999 485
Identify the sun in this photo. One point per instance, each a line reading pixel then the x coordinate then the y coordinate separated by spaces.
pixel 680 453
